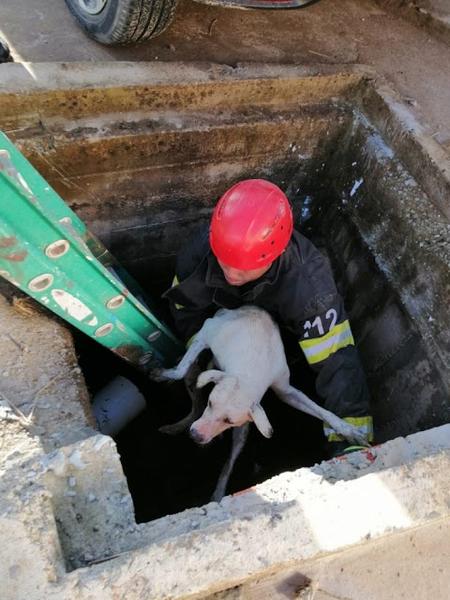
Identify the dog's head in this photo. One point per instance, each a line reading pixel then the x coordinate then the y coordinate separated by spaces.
pixel 230 405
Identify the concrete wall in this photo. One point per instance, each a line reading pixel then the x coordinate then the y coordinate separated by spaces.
pixel 390 249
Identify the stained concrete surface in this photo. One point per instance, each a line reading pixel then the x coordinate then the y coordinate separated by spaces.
pixel 259 540
pixel 433 15
pixel 344 31
pixel 69 512
pixel 329 37
pixel 412 565
pixel 53 391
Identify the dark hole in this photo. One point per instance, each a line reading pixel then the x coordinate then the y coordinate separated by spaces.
pixel 167 474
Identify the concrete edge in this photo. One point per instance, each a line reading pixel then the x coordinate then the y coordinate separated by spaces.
pixel 391 454
pixel 298 516
pixel 293 517
pixel 78 90
pixel 424 157
pixel 44 76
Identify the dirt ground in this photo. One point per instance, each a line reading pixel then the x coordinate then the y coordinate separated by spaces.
pixel 332 31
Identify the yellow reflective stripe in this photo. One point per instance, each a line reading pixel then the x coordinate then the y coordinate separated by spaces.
pixel 363 424
pixel 318 349
pixel 174 283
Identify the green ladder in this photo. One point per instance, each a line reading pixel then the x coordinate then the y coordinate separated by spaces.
pixel 47 252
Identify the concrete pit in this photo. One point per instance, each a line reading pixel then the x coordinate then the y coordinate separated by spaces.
pixel 142 161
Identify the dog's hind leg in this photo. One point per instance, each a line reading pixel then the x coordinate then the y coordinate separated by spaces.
pixel 198 403
pixel 239 437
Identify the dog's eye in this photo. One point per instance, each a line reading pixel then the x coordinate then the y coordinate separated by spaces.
pixel 227 421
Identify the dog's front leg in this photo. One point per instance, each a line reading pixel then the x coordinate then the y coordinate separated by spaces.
pixel 239 437
pixel 180 371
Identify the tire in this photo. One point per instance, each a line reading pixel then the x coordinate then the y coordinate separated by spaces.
pixel 115 22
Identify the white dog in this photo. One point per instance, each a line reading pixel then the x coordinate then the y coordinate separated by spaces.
pixel 248 350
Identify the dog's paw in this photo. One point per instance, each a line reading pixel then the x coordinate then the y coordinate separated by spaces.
pixel 173 428
pixel 352 434
pixel 159 375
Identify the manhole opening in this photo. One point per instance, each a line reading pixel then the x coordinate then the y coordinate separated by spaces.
pixel 143 169
pixel 152 184
pixel 167 474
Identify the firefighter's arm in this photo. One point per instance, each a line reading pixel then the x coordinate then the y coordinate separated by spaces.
pixel 188 319
pixel 327 342
pixel 187 315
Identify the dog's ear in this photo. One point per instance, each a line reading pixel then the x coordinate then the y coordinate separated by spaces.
pixel 259 417
pixel 211 376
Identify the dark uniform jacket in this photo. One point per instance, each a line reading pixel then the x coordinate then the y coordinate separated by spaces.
pixel 299 292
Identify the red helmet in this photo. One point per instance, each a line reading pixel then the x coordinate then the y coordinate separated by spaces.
pixel 251 225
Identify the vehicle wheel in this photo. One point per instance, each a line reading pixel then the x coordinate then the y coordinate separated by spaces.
pixel 123 21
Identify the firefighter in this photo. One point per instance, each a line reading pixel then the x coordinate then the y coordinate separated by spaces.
pixel 252 255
